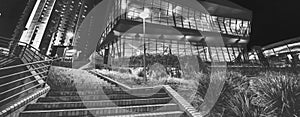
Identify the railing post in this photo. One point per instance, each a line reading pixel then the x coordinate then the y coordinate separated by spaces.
pixel 24 49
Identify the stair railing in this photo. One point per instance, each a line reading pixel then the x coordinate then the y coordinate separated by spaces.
pixel 21 84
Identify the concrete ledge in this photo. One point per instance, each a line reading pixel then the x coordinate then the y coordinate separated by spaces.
pixel 182 103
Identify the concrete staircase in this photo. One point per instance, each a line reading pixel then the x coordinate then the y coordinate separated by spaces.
pixel 104 100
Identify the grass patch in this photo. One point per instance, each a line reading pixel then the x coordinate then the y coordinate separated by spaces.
pixel 61 78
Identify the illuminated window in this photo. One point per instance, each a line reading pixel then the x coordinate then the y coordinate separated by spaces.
pixel 233 26
pixel 227 25
pixel 214 23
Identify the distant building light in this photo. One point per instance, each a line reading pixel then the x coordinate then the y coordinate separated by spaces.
pixel 290 57
pixel 70 35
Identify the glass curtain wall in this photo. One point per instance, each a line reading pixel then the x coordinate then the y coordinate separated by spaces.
pixel 171 14
pixel 127 46
pixel 293 47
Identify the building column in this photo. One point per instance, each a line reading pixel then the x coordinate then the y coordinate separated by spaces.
pixel 263 60
pixel 106 55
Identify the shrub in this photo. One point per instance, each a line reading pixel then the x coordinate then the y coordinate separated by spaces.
pixel 234 83
pixel 240 105
pixel 280 94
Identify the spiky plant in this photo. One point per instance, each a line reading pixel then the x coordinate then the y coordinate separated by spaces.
pixel 240 105
pixel 280 94
pixel 234 84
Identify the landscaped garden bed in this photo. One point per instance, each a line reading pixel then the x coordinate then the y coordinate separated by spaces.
pixel 271 92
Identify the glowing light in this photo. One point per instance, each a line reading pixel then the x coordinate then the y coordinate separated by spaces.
pixel 145 14
pixel 123 4
pixel 70 35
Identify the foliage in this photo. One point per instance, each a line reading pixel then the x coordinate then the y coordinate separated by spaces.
pixel 280 94
pixel 273 93
pixel 234 84
pixel 169 61
pixel 240 105
pixel 166 60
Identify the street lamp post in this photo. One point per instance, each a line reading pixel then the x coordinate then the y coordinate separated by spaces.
pixel 144 15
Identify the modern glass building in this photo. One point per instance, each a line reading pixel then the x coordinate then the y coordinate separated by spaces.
pixel 283 53
pixel 176 28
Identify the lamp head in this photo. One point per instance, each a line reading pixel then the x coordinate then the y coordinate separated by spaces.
pixel 145 14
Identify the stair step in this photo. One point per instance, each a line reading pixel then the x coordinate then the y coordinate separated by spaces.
pixel 94 87
pixel 156 114
pixel 87 92
pixel 101 111
pixel 97 92
pixel 94 104
pixel 100 97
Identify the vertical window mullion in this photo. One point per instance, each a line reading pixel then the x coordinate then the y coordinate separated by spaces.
pixel 195 20
pixel 222 53
pixel 228 54
pixel 219 25
pixel 209 52
pixel 217 54
pixel 167 10
pixel 224 25
pixel 204 51
pixel 233 51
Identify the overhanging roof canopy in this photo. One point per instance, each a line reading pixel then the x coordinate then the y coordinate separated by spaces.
pixel 226 8
pixel 281 43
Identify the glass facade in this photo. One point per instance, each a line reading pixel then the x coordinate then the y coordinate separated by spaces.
pixel 293 47
pixel 171 14
pixel 284 55
pixel 168 13
pixel 125 47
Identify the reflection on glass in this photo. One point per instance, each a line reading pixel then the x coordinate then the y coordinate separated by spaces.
pixel 171 14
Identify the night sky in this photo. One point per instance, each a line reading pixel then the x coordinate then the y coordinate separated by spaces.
pixel 273 20
pixel 10 10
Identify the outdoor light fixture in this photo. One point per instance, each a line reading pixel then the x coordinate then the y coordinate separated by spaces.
pixel 123 4
pixel 70 35
pixel 145 14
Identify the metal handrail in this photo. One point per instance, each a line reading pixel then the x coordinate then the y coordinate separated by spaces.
pixel 26 64
pixel 22 85
pixel 10 75
pixel 22 78
pixel 38 66
pixel 1 101
pixel 26 44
